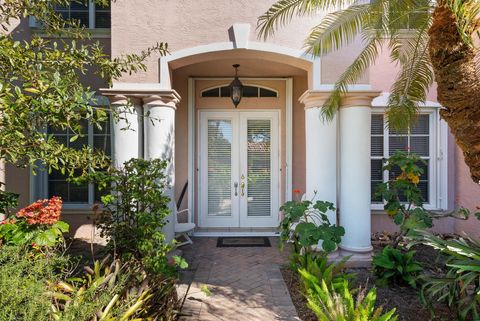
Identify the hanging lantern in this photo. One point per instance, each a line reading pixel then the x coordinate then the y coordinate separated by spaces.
pixel 236 88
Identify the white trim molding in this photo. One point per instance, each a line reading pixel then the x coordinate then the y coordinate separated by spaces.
pixel 438 179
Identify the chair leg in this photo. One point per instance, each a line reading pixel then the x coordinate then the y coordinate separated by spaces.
pixel 187 241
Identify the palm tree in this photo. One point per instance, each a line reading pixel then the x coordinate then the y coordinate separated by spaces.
pixel 439 44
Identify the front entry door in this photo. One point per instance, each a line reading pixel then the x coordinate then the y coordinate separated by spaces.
pixel 239 169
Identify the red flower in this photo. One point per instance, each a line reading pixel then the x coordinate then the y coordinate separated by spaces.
pixel 45 211
pixel 297 191
pixel 34 244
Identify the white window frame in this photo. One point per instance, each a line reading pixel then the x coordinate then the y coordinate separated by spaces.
pixel 438 160
pixel 244 85
pixel 32 22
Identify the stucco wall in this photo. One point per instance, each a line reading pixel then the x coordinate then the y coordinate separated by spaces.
pixel 467 195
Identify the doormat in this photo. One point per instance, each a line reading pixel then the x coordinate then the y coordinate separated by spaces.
pixel 243 242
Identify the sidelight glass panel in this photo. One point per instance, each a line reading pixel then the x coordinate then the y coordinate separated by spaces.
pixel 259 171
pixel 219 167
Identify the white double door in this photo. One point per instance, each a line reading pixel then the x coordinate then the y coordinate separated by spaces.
pixel 239 169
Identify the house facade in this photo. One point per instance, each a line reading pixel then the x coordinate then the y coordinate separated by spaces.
pixel 233 166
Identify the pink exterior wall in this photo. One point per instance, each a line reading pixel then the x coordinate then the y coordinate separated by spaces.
pixel 185 24
pixel 468 195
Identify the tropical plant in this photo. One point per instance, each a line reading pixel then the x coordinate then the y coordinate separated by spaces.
pixel 112 290
pixel 37 224
pixel 396 267
pixel 136 211
pixel 459 287
pixel 333 273
pixel 438 44
pixel 339 304
pixel 42 85
pixel 306 223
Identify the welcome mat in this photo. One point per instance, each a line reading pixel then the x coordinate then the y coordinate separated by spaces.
pixel 243 242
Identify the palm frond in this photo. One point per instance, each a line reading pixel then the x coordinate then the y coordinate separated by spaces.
pixel 467 13
pixel 413 80
pixel 351 75
pixel 337 29
pixel 281 12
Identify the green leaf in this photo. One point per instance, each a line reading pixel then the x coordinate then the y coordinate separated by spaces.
pixel 180 262
pixel 62 226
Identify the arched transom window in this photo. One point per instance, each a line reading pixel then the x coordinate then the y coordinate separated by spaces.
pixel 248 91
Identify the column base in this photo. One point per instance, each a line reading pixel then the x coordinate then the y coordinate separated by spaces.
pixel 358 259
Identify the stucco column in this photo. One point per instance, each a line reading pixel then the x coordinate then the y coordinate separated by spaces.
pixel 127 129
pixel 355 177
pixel 321 151
pixel 160 143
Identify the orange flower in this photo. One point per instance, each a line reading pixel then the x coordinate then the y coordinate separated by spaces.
pixel 45 211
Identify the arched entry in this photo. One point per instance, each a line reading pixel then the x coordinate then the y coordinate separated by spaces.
pixel 212 64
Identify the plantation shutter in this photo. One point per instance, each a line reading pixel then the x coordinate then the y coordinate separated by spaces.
pixel 416 140
pixel 219 167
pixel 259 169
pixel 377 152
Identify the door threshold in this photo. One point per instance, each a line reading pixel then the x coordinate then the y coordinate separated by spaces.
pixel 234 234
pixel 237 232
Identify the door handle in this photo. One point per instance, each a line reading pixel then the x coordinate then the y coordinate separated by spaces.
pixel 242 185
pixel 235 185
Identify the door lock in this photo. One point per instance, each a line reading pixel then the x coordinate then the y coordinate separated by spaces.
pixel 242 185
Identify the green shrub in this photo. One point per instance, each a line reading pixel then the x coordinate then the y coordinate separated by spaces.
pixel 136 211
pixel 311 226
pixel 396 267
pixel 334 304
pixel 403 198
pixel 24 276
pixel 459 287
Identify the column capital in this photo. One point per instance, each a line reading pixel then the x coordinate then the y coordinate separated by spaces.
pixel 149 97
pixel 314 98
pixel 163 100
pixel 317 98
pixel 359 98
pixel 122 100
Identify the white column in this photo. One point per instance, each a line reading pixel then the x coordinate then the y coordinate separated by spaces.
pixel 355 212
pixel 321 152
pixel 160 143
pixel 127 129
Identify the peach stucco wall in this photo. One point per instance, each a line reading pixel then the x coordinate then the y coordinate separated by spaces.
pixel 462 191
pixel 139 24
pixel 183 24
pixel 468 195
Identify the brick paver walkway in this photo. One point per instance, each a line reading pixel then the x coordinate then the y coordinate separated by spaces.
pixel 245 283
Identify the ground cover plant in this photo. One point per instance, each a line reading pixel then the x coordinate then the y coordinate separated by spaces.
pixel 459 285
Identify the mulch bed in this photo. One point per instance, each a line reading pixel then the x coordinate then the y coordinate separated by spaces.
pixel 405 299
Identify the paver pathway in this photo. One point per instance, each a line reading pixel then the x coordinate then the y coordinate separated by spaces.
pixel 245 283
